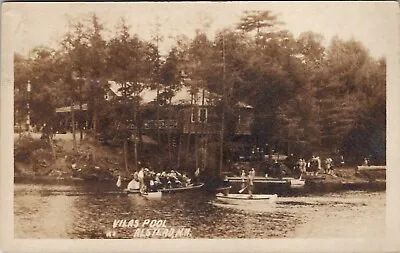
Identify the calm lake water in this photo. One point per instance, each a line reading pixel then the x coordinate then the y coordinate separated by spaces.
pixel 74 211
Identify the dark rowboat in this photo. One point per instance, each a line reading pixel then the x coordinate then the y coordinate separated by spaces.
pixel 168 190
pixel 181 189
pixel 222 189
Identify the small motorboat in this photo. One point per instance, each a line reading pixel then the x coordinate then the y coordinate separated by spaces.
pixel 246 198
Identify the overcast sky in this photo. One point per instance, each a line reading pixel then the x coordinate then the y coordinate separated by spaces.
pixel 45 23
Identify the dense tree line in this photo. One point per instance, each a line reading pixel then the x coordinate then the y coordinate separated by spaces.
pixel 327 99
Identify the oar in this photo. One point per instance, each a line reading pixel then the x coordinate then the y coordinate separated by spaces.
pixel 243 189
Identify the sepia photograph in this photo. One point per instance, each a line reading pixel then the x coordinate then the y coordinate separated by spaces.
pixel 199 121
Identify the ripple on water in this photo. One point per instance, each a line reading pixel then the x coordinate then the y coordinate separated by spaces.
pixel 43 211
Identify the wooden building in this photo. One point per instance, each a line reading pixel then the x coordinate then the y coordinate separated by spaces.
pixel 189 112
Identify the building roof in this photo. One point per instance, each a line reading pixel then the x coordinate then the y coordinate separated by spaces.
pixel 68 108
pixel 182 97
pixel 244 105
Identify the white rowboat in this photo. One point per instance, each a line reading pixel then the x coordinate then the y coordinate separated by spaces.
pixel 246 198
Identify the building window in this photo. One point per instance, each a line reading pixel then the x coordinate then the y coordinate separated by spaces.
pixel 193 115
pixel 199 115
pixel 203 115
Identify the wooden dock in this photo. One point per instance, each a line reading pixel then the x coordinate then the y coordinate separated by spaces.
pixel 266 180
pixel 371 168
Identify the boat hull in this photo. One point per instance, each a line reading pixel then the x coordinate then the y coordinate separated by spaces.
pixel 225 189
pixel 181 189
pixel 246 198
pixel 147 195
pixel 283 186
pixel 152 195
pixel 172 190
pixel 132 191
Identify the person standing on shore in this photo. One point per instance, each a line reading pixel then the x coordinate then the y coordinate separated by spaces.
pixel 141 180
pixel 314 165
pixel 329 165
pixel 303 166
pixel 119 181
pixel 196 176
pixel 319 167
pixel 341 161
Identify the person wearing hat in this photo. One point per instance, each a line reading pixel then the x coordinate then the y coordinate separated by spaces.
pixel 157 180
pixel 172 178
pixel 186 180
pixel 164 179
pixel 147 178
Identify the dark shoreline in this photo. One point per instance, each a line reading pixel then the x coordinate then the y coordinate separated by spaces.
pixel 314 187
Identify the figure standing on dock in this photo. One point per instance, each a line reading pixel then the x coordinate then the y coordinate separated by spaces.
pixel 243 176
pixel 252 174
pixel 276 169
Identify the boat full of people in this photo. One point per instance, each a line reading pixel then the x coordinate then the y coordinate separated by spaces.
pixel 147 182
pixel 181 189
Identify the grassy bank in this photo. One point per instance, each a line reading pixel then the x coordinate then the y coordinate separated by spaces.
pixel 35 157
pixel 38 158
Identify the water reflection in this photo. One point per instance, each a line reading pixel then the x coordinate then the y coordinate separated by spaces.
pixel 42 215
pixel 86 211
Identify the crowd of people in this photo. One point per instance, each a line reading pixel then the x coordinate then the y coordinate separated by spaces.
pixel 314 166
pixel 146 180
pixel 295 168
